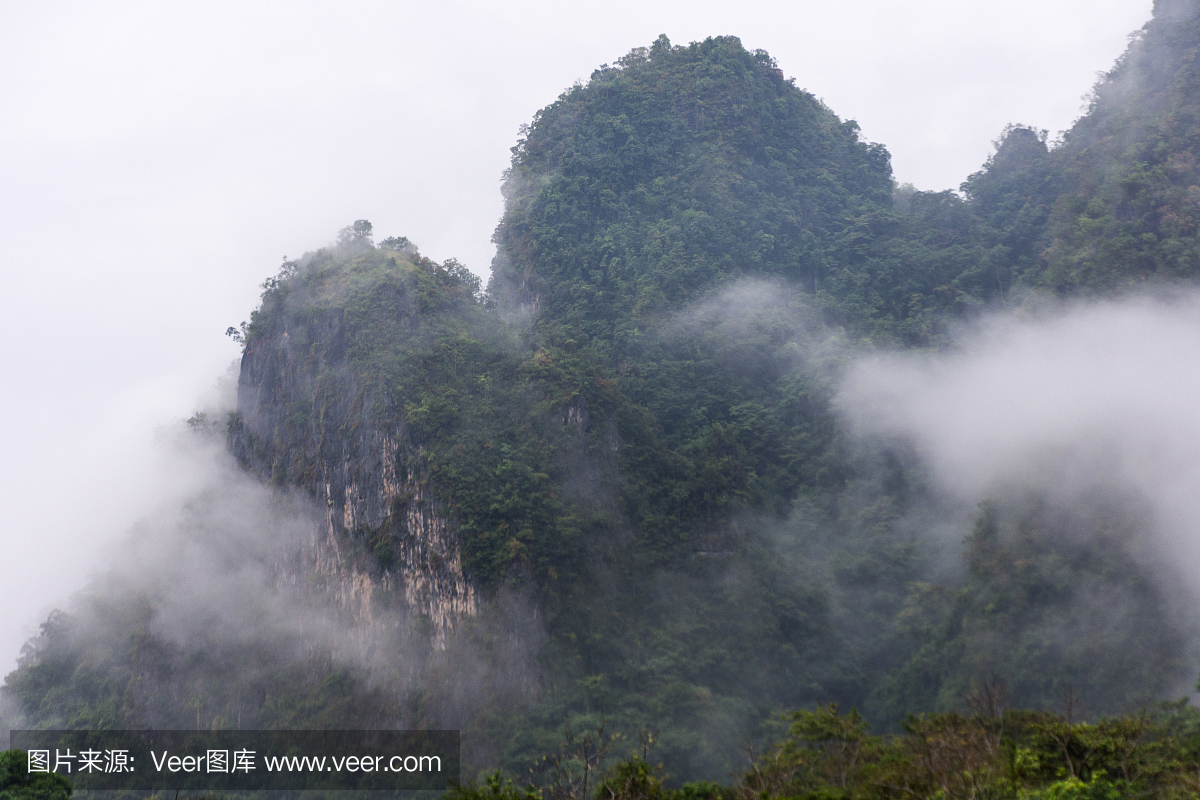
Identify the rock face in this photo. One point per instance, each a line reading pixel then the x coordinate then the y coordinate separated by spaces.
pixel 304 421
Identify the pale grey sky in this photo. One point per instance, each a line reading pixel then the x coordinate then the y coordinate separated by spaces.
pixel 157 160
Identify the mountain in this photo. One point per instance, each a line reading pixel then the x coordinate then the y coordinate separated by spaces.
pixel 616 485
pixel 1114 205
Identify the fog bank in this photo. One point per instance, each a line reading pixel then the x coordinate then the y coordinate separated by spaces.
pixel 1078 399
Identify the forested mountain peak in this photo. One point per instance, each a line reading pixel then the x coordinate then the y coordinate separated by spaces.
pixel 1116 205
pixel 673 172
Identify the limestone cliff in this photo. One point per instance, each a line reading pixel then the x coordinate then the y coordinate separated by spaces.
pixel 308 418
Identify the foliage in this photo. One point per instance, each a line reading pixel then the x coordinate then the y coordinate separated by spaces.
pixel 17 783
pixel 994 754
pixel 677 169
pixel 495 787
pixel 1049 587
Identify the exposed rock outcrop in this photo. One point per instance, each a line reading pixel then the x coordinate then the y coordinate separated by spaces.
pixel 304 421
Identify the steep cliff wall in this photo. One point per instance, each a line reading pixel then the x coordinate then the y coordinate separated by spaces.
pixel 309 418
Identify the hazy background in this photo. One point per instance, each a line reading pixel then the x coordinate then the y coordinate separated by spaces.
pixel 1062 402
pixel 157 161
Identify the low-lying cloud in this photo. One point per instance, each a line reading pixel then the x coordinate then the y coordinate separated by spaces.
pixel 226 608
pixel 1101 396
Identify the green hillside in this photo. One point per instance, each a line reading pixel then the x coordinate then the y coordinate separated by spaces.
pixel 1114 205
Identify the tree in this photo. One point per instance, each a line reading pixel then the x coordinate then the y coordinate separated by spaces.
pixel 357 234
pixel 17 783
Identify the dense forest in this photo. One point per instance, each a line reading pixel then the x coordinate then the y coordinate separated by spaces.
pixel 660 527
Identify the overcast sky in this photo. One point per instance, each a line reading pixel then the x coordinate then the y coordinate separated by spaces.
pixel 158 159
